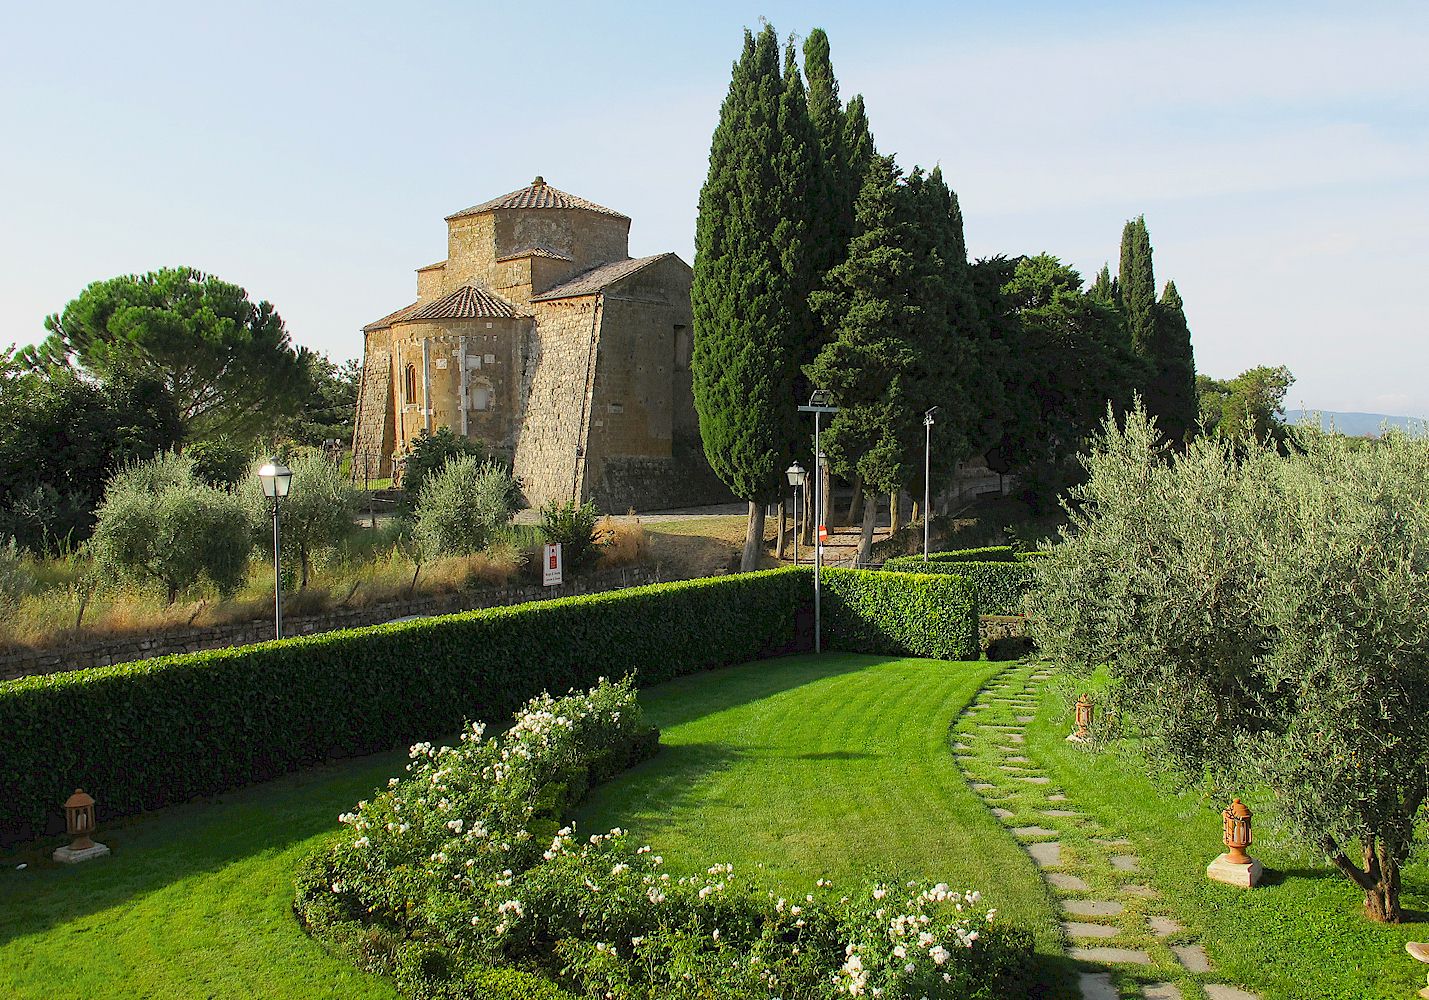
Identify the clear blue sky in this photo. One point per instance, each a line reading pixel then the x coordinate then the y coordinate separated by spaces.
pixel 309 151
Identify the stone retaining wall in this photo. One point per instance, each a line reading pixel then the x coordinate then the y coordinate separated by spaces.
pixel 124 649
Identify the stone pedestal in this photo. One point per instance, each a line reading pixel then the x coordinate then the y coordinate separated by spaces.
pixel 1076 738
pixel 1243 876
pixel 69 856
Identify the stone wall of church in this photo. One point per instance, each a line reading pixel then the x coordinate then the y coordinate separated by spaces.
pixel 566 336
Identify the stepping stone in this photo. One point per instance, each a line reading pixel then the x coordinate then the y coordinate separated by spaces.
pixel 1025 718
pixel 1218 992
pixel 1015 738
pixel 1067 883
pixel 1047 854
pixel 1091 907
pixel 1059 797
pixel 1033 831
pixel 983 786
pixel 1078 929
pixel 1193 957
pixel 1162 991
pixel 1111 956
pixel 1163 926
pixel 1012 768
pixel 1097 986
pixel 1036 779
pixel 1112 842
pixel 1144 891
pixel 1124 862
pixel 1003 813
pixel 1060 813
pixel 961 746
pixel 1017 760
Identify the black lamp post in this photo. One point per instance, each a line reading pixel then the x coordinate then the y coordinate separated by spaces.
pixel 276 479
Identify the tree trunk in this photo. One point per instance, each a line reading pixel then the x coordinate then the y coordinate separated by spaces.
pixel 917 509
pixel 895 511
pixel 1379 878
pixel 870 518
pixel 782 537
pixel 855 504
pixel 806 528
pixel 826 491
pixel 753 539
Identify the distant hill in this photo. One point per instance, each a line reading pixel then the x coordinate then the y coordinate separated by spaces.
pixel 1358 424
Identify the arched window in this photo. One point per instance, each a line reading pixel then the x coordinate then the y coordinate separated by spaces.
pixel 409 384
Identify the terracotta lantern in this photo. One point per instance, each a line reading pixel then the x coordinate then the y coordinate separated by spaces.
pixel 1236 834
pixel 1236 867
pixel 79 822
pixel 1084 720
pixel 79 819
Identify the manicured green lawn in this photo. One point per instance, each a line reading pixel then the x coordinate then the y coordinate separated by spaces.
pixel 1301 936
pixel 835 766
pixel 195 902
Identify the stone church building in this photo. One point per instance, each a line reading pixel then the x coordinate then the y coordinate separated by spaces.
pixel 541 336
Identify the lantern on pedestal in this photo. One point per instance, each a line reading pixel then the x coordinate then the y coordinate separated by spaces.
pixel 79 823
pixel 1084 721
pixel 1236 867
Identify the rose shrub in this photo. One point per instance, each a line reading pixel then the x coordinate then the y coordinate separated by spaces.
pixel 461 881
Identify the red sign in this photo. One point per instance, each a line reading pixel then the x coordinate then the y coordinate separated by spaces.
pixel 823 533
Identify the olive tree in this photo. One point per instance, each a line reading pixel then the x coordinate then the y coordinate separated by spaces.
pixel 160 525
pixel 463 504
pixel 1258 616
pixel 315 515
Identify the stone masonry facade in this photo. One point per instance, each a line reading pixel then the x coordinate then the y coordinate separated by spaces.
pixel 541 337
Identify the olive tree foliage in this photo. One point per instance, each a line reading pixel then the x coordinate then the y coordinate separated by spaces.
pixel 1260 615
pixel 315 516
pixel 463 504
pixel 160 525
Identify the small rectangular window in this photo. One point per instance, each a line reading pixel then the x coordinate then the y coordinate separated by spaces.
pixel 491 359
pixel 481 398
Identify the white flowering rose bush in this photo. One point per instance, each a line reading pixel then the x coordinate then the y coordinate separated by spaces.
pixel 462 880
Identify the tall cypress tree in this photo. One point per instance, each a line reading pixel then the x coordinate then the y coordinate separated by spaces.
pixel 1175 380
pixel 1136 281
pixel 752 277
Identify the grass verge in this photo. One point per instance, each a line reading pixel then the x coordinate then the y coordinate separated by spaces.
pixel 1300 936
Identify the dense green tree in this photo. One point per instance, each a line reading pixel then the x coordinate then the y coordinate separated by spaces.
pixel 327 411
pixel 227 362
pixel 62 436
pixel 1070 361
pixel 159 524
pixel 1105 288
pixel 219 463
pixel 1261 619
pixel 1159 334
pixel 752 277
pixel 1250 405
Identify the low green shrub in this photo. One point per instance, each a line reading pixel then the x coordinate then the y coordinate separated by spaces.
pixel 1032 554
pixel 460 866
pixel 932 614
pixel 576 528
pixel 999 585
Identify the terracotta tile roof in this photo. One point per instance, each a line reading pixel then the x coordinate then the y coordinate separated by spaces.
pixel 535 251
pixel 537 194
pixel 598 278
pixel 430 267
pixel 390 318
pixel 467 302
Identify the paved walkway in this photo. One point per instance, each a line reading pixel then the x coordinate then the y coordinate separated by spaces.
pixel 1118 928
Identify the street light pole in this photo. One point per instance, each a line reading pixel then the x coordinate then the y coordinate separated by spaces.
pixel 796 475
pixel 276 478
pixel 927 474
pixel 818 405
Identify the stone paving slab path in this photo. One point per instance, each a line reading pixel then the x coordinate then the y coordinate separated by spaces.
pixel 1080 858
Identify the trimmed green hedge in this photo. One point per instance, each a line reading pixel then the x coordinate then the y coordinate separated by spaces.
pixel 999 585
pixel 933 615
pixel 148 734
pixel 987 553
